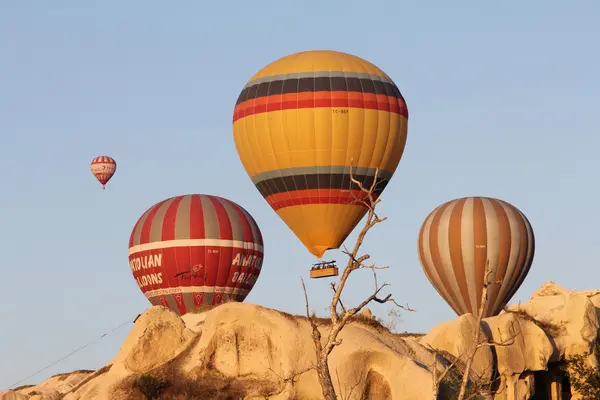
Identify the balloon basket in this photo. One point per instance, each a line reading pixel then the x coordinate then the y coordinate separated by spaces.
pixel 323 272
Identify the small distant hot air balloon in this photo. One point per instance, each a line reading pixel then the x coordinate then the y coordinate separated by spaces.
pixel 195 249
pixel 302 122
pixel 460 236
pixel 103 168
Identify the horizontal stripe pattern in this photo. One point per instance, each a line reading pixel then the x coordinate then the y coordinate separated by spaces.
pixel 327 99
pixel 299 186
pixel 319 74
pixel 320 196
pixel 460 236
pixel 195 241
pixel 331 169
pixel 320 82
pixel 316 92
pixel 167 244
pixel 322 181
pixel 194 289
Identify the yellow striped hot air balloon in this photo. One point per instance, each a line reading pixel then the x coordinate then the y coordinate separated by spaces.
pixel 460 236
pixel 299 126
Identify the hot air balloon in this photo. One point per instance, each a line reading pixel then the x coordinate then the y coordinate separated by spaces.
pixel 460 236
pixel 103 168
pixel 302 122
pixel 195 249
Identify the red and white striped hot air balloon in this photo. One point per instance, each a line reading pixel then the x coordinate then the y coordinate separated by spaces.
pixel 195 249
pixel 460 236
pixel 103 168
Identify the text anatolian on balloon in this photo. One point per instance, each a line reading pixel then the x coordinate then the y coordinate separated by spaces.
pixel 248 260
pixel 144 262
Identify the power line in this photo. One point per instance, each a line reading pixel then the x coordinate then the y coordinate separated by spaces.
pixel 71 353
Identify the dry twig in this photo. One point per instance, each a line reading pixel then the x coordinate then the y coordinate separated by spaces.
pixel 368 199
pixel 481 386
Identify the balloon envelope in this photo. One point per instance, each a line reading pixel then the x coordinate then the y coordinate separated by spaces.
pixel 103 168
pixel 299 125
pixel 457 239
pixel 195 249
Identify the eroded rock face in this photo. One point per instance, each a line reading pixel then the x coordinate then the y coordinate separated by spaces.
pixel 48 396
pixel 525 346
pixel 247 341
pixel 10 395
pixel 242 339
pixel 456 338
pixel 569 319
pixel 250 343
pixel 158 336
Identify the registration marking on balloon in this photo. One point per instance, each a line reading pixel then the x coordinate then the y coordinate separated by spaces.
pixel 340 111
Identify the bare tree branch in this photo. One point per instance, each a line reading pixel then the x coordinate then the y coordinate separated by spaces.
pixel 405 307
pixel 291 379
pixel 316 334
pixel 332 286
pixel 369 199
pixel 437 380
pixel 487 342
pixel 476 331
pixel 343 394
pixel 480 385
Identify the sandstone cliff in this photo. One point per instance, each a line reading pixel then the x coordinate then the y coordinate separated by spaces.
pixel 239 350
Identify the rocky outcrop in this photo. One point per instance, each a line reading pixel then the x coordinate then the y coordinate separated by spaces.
pixel 50 389
pixel 12 395
pixel 256 352
pixel 554 325
pixel 456 338
pixel 252 343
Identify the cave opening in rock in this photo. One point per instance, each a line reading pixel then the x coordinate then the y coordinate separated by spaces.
pixel 553 384
pixel 566 388
pixel 541 380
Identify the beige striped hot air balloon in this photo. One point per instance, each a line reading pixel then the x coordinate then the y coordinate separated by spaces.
pixel 457 239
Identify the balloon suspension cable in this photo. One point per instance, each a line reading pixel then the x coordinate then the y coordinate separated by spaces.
pixel 72 353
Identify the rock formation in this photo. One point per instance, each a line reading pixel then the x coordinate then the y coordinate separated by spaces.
pixel 248 351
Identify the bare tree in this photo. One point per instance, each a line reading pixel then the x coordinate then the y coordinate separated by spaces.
pixel 285 382
pixel 346 394
pixel 452 373
pixel 479 386
pixel 339 318
pixel 439 376
pixel 394 318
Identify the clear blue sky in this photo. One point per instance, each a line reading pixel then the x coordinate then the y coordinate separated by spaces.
pixel 503 100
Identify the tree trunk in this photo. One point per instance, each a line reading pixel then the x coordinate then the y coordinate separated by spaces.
pixel 465 378
pixel 325 379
